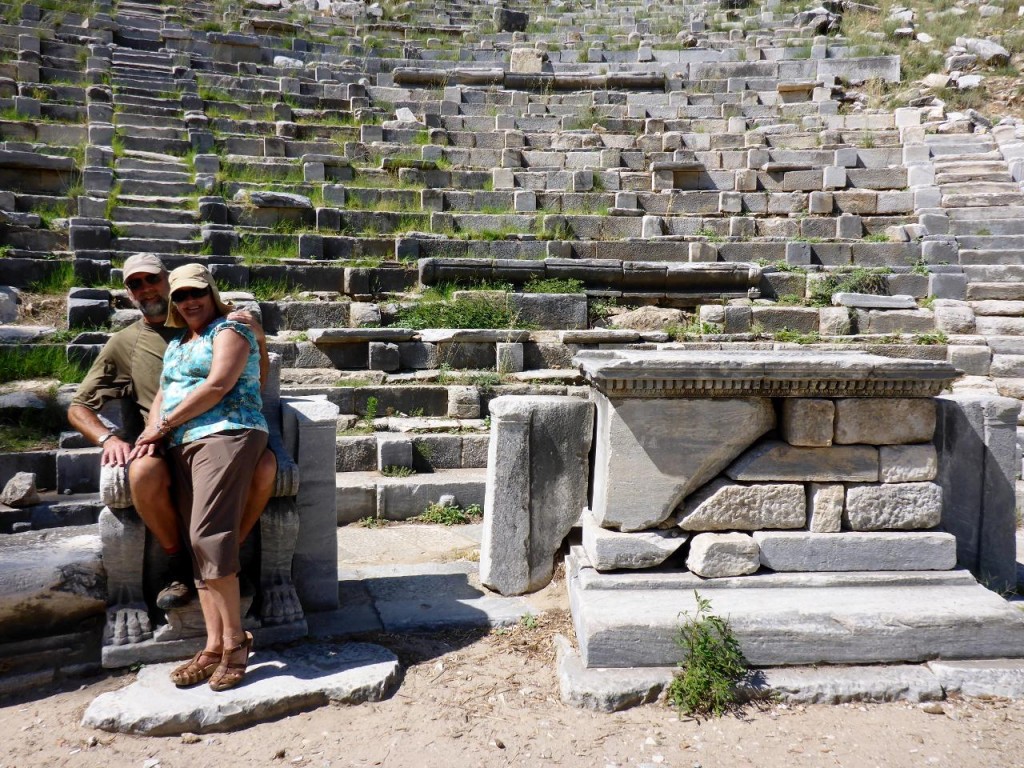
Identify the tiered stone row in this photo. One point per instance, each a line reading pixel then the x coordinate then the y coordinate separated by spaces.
pixel 691 157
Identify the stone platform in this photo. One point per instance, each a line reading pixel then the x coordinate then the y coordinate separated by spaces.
pixel 276 684
pixel 632 619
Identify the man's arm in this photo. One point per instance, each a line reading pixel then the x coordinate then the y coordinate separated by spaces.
pixel 247 318
pixel 115 449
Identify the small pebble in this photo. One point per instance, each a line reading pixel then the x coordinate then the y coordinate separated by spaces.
pixel 190 738
pixel 933 708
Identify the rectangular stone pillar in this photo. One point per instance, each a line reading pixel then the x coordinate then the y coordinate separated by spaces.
pixel 538 470
pixel 309 428
pixel 975 437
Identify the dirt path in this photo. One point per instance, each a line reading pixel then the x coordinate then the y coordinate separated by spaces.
pixel 491 699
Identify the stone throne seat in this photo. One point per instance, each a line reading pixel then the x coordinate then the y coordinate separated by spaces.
pixel 130 635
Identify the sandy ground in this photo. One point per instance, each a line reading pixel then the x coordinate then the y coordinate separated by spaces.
pixel 479 698
pixel 491 699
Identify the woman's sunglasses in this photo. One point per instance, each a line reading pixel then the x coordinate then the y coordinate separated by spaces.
pixel 137 282
pixel 188 293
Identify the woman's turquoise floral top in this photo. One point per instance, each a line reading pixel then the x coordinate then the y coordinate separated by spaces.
pixel 186 366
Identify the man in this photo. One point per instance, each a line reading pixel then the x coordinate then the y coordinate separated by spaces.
pixel 129 365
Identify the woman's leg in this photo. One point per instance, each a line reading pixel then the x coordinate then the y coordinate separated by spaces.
pixel 213 618
pixel 226 604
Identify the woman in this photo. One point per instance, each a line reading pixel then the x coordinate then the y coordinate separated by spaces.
pixel 208 411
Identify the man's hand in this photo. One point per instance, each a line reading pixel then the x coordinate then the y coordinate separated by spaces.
pixel 116 452
pixel 247 318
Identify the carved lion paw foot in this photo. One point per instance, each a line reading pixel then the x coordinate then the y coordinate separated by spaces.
pixel 127 625
pixel 281 604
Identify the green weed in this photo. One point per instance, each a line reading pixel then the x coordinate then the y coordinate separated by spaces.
pixel 450 514
pixel 712 667
pixel 397 471
pixel 42 361
pixel 553 285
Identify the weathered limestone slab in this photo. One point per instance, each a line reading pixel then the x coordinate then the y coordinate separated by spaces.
pixel 807 422
pixel 825 506
pixel 652 453
pixel 295 680
pixel 893 506
pixel 884 422
pixel 723 554
pixel 610 550
pixel 976 439
pixel 839 685
pixel 537 478
pixel 907 463
pixel 813 623
pixel 51 582
pixel 773 460
pixel 849 551
pixel 724 506
pixel 606 690
pixel 989 677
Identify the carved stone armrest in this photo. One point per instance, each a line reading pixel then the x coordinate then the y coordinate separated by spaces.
pixel 114 490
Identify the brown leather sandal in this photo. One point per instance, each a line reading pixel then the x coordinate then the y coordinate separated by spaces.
pixel 228 673
pixel 197 669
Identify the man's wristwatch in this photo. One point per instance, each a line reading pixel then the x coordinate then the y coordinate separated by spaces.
pixel 110 434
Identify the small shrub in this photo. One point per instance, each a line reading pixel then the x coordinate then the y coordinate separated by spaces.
pixel 450 514
pixel 60 281
pixel 373 522
pixel 931 339
pixel 553 285
pixel 796 337
pixel 491 311
pixel 856 280
pixel 714 664
pixel 395 471
pixel 270 290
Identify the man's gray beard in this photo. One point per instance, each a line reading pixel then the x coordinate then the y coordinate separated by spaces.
pixel 153 308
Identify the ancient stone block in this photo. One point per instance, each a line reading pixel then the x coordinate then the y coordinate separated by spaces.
pixel 610 550
pixel 779 461
pixel 893 506
pixel 652 453
pixel 805 551
pixel 807 421
pixel 723 506
pixel 537 476
pixel 907 463
pixel 884 422
pixel 825 505
pixel 723 554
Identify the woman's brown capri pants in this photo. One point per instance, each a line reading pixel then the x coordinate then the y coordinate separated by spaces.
pixel 212 477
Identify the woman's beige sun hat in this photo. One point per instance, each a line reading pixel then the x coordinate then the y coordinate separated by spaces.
pixel 193 276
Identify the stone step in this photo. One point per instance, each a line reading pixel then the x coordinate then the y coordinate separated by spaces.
pixel 371 494
pixel 980 152
pixel 124 213
pixel 138 162
pixel 972 214
pixel 156 188
pixel 128 101
pixel 995 273
pixel 995 291
pixel 143 111
pixel 178 147
pixel 976 188
pixel 1007 366
pixel 999 326
pixel 983 199
pixel 998 308
pixel 152 245
pixel 808 618
pixel 995 256
pixel 1006 345
pixel 986 227
pixel 152 201
pixel 132 133
pixel 135 121
pixel 990 242
pixel 157 231
pixel 173 177
pixel 964 177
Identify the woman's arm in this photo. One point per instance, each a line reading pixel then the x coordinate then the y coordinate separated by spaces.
pixel 249 320
pixel 230 355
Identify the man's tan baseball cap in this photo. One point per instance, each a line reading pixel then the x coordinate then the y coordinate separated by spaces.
pixel 142 262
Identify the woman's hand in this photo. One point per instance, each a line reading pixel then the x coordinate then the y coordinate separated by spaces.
pixel 148 443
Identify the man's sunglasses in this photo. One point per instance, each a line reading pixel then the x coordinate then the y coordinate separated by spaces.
pixel 137 282
pixel 189 293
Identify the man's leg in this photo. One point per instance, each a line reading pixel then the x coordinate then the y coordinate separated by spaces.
pixel 150 481
pixel 260 490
